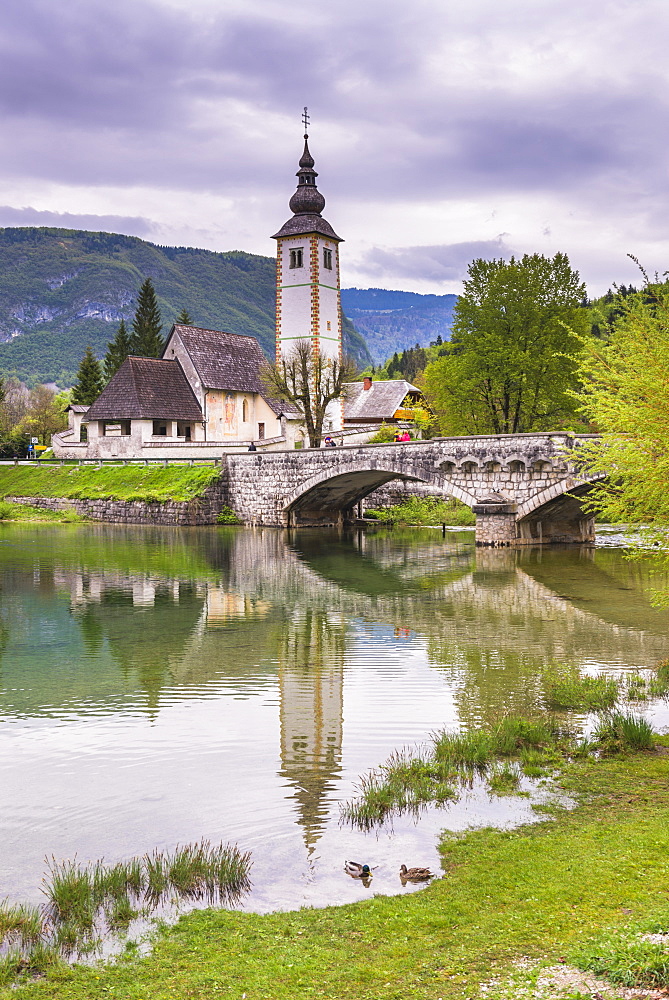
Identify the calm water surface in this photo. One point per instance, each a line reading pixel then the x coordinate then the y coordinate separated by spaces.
pixel 160 686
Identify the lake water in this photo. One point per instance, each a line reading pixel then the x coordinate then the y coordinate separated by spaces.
pixel 161 686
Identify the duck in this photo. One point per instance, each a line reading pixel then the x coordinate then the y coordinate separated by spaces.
pixel 415 874
pixel 356 870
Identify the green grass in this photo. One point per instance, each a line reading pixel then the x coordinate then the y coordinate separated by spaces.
pixel 425 511
pixel 87 902
pixel 73 482
pixel 542 892
pixel 565 688
pixel 24 512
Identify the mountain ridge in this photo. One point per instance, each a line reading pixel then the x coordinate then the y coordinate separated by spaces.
pixel 62 289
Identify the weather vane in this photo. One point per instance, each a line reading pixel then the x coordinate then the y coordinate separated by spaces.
pixel 305 119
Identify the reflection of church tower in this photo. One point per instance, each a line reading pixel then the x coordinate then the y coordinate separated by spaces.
pixel 311 677
pixel 308 302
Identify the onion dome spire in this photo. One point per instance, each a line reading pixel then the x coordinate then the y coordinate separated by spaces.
pixel 307 200
pixel 307 203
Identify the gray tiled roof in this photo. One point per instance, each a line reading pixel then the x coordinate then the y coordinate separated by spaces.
pixel 78 408
pixel 230 362
pixel 377 403
pixel 149 389
pixel 302 225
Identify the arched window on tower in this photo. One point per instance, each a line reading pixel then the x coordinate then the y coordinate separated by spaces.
pixel 296 257
pixel 327 259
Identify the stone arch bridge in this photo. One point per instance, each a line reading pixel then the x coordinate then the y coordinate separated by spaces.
pixel 523 488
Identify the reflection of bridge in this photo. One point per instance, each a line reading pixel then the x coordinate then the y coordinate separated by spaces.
pixel 522 487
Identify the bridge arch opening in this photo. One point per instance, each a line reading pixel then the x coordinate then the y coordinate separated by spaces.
pixel 557 514
pixel 329 499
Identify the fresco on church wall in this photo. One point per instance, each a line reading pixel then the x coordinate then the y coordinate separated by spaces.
pixel 229 415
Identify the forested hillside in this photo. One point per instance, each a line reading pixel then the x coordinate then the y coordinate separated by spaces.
pixel 61 289
pixel 392 320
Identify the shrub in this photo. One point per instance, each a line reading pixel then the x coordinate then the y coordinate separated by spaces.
pixel 227 515
pixel 426 511
pixel 384 435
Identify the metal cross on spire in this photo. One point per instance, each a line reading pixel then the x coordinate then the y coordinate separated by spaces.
pixel 305 119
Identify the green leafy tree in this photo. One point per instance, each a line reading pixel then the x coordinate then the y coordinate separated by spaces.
pixel 146 341
pixel 118 350
pixel 626 397
pixel 89 383
pixel 184 318
pixel 44 416
pixel 311 381
pixel 513 357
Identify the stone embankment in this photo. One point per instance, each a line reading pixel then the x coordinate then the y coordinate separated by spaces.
pixel 202 510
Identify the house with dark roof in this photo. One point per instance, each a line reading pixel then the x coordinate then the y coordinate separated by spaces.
pixel 203 397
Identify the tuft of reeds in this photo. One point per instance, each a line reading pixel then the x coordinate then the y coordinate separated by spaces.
pixel 157 883
pixel 207 871
pixel 513 734
pixel 503 779
pixel 20 924
pixel 404 784
pixel 408 781
pixel 618 732
pixel 566 688
pixel 465 752
pixel 84 900
pixel 69 889
pixel 538 763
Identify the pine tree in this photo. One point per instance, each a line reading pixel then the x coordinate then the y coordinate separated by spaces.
pixel 184 318
pixel 146 341
pixel 118 350
pixel 89 383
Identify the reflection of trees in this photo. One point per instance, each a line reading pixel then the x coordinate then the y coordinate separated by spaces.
pixel 183 612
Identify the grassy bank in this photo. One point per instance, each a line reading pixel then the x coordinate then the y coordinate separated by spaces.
pixel 24 512
pixel 425 511
pixel 73 482
pixel 561 889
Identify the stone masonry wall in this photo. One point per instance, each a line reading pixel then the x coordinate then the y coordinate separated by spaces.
pixel 201 510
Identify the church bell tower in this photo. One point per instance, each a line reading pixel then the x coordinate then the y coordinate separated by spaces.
pixel 308 305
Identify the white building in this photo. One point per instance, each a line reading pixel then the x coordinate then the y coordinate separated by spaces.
pixel 308 299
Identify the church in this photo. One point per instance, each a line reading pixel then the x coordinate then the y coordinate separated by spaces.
pixel 204 396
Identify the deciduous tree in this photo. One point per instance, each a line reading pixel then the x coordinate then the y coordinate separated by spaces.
pixel 146 341
pixel 311 381
pixel 626 396
pixel 513 356
pixel 43 417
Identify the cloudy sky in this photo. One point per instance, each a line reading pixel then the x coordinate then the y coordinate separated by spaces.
pixel 442 129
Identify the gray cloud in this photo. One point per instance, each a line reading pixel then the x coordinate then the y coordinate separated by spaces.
pixel 424 104
pixel 448 262
pixel 129 225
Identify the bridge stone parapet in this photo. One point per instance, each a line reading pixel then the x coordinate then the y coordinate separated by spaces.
pixel 522 487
